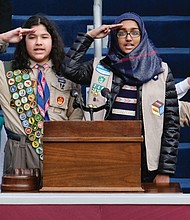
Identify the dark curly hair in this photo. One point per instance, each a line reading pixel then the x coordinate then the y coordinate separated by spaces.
pixel 57 55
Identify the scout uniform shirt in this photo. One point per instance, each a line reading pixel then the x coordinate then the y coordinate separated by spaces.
pixel 3 46
pixel 60 100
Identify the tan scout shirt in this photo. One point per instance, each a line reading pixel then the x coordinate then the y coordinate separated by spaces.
pixel 60 100
pixel 184 113
pixel 3 46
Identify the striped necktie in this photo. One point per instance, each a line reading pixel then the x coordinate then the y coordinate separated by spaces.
pixel 43 93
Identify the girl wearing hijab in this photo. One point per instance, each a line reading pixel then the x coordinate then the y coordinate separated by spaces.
pixel 141 88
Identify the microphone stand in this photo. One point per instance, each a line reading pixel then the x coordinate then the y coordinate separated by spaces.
pixel 91 110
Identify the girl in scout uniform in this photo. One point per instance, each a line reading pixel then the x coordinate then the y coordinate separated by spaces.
pixel 141 85
pixel 39 53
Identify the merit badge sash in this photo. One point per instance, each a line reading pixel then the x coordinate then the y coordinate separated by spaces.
pixel 153 107
pixel 24 101
pixel 101 78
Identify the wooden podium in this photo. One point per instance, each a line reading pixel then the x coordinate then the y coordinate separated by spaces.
pixel 87 156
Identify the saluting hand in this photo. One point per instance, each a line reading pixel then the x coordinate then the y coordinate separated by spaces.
pixel 102 31
pixel 15 35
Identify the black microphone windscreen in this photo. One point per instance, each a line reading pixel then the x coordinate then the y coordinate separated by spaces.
pixel 74 93
pixel 105 92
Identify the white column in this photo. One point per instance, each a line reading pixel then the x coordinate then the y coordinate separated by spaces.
pixel 97 12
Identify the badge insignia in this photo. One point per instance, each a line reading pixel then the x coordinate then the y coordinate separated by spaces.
pixel 15 95
pixel 18 78
pixel 22 92
pixel 17 72
pixel 29 113
pixel 158 108
pixel 31 97
pixel 22 116
pixel 102 70
pixel 35 144
pixel 34 127
pixel 62 82
pixel 35 110
pixel 28 130
pixel 20 85
pixel 38 117
pixel 26 106
pixel 9 74
pixel 12 103
pixel 31 120
pixel 13 88
pixel 40 124
pixel 38 134
pixel 96 87
pixel 39 150
pixel 25 123
pixel 11 81
pixel 24 71
pixel 18 102
pixel 60 100
pixel 101 79
pixel 41 156
pixel 31 137
pixel 27 83
pixel 29 90
pixel 24 99
pixel 25 76
pixel 92 106
pixel 33 104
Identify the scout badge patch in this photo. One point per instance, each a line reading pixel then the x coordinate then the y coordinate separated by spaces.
pixel 23 100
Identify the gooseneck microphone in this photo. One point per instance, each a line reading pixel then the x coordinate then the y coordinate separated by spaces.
pixel 74 93
pixel 105 92
pixel 78 102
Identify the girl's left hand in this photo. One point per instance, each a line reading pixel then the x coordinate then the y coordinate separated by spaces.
pixel 162 179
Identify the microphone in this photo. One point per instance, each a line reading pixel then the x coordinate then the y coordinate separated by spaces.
pixel 74 93
pixel 77 101
pixel 105 92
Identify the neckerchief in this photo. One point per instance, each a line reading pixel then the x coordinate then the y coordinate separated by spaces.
pixel 43 92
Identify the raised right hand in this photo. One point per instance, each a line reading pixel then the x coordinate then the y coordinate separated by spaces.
pixel 102 31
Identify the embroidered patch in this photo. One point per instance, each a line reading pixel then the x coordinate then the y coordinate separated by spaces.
pixel 96 87
pixel 57 111
pixel 158 108
pixel 101 79
pixel 23 98
pixel 60 100
pixel 102 70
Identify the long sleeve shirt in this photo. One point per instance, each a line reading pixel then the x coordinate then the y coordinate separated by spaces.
pixel 182 88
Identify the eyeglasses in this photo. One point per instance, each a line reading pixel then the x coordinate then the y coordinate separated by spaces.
pixel 124 34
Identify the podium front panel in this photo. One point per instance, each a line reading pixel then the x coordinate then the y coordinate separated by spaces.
pixel 96 161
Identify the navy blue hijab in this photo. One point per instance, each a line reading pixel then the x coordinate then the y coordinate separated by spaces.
pixel 140 65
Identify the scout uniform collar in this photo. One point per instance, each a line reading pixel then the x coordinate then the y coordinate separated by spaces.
pixel 33 63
